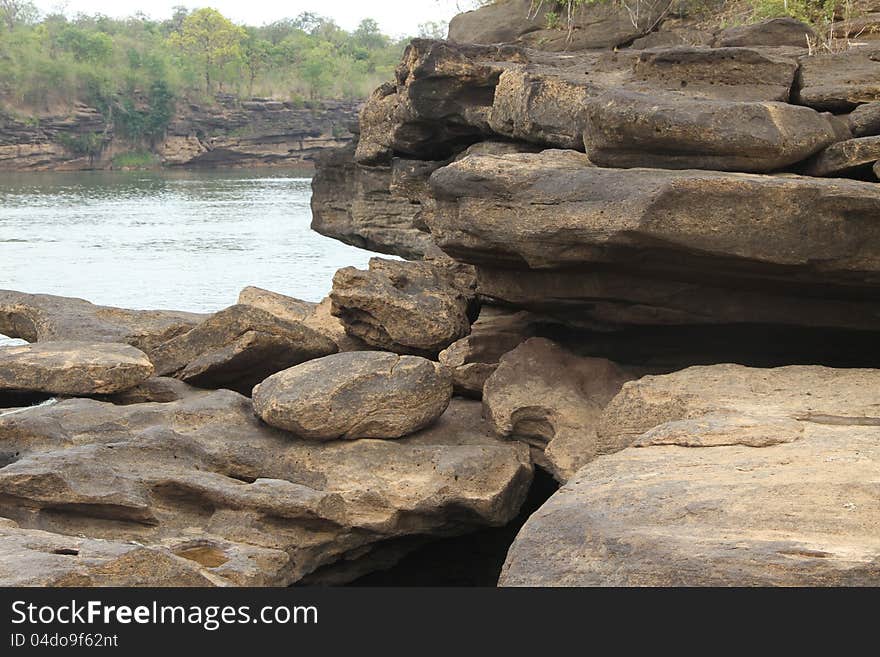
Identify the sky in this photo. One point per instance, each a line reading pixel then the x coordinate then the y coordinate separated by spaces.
pixel 395 17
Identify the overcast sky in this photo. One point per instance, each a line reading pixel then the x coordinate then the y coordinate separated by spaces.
pixel 395 17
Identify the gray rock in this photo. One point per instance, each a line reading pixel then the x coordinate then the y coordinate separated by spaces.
pixel 365 394
pixel 44 317
pixel 839 82
pixel 774 32
pixel 865 120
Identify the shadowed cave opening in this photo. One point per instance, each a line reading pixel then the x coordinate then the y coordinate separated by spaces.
pixel 470 560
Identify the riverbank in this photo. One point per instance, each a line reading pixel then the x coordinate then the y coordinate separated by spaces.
pixel 232 133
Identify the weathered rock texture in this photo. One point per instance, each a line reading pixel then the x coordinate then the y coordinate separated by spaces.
pixel 522 21
pixel 238 347
pixel 364 394
pixel 845 156
pixel 73 368
pixel 653 247
pixel 240 502
pixel 638 130
pixel 865 120
pixel 406 307
pixel 475 357
pixel 740 477
pixel 316 316
pixel 552 400
pixel 839 82
pixel 43 317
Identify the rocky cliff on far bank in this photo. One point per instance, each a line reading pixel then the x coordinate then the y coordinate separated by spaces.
pixel 229 133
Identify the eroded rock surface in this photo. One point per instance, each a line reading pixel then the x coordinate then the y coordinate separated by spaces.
pixel 742 477
pixel 73 368
pixel 241 502
pixel 44 317
pixel 844 156
pixel 364 394
pixel 238 347
pixel 475 357
pixel 405 307
pixel 551 399
pixel 638 130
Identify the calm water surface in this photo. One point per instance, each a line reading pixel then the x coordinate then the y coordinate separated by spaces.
pixel 176 240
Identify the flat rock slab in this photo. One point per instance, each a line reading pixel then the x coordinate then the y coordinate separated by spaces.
pixel 774 32
pixel 839 82
pixel 44 317
pixel 364 394
pixel 542 211
pixel 244 503
pixel 239 347
pixel 406 307
pixel 73 368
pixel 640 130
pixel 30 557
pixel 742 477
pixel 552 400
pixel 844 156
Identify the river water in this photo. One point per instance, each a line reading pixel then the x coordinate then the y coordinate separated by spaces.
pixel 174 240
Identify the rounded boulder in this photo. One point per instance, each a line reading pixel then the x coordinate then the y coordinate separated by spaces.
pixel 365 394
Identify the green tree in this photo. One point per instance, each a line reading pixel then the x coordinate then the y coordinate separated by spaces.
pixel 257 54
pixel 17 12
pixel 211 39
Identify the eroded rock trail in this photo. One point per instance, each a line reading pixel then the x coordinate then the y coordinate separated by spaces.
pixel 642 261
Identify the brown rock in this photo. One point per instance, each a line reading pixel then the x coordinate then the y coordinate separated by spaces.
pixel 354 204
pixel 316 316
pixel 243 503
pixel 543 212
pixel 865 120
pixel 30 557
pixel 774 32
pixel 743 477
pixel 43 317
pixel 839 82
pixel 237 348
pixel 475 357
pixel 637 130
pixel 844 157
pixel 365 394
pixel 158 390
pixel 73 368
pixel 521 21
pixel 404 307
pixel 552 400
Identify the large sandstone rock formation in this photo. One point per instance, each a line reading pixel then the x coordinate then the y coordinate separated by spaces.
pixel 364 394
pixel 739 477
pixel 199 491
